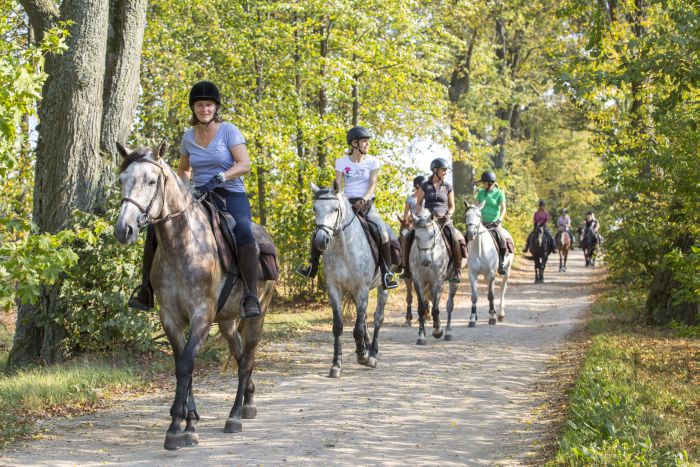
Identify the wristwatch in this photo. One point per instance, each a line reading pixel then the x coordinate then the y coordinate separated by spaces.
pixel 220 177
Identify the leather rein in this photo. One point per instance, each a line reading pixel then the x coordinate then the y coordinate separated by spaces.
pixel 335 229
pixel 145 217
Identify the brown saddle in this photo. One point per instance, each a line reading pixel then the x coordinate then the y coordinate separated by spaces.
pixel 223 224
pixel 374 238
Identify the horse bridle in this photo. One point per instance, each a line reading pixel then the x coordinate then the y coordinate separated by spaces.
pixel 479 224
pixel 335 230
pixel 145 217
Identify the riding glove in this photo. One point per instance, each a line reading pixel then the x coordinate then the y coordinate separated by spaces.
pixel 359 205
pixel 208 187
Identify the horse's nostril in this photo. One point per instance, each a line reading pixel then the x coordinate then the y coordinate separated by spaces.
pixel 129 231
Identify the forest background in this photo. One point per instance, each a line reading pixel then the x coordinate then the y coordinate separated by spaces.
pixel 586 105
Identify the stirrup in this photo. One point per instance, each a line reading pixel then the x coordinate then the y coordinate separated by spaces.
pixel 135 302
pixel 389 281
pixel 304 271
pixel 255 314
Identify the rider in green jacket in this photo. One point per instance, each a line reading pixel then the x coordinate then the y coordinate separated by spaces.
pixel 493 210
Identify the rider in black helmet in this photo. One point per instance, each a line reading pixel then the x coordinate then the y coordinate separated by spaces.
pixel 357 175
pixel 492 212
pixel 407 221
pixel 213 154
pixel 437 196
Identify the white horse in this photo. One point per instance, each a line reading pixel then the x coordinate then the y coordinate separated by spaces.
pixel 350 269
pixel 482 259
pixel 430 260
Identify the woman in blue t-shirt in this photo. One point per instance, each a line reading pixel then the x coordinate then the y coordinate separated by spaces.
pixel 215 150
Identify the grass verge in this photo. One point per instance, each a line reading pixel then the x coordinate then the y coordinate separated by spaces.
pixel 637 398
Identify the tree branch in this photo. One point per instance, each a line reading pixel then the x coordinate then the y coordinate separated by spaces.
pixel 43 15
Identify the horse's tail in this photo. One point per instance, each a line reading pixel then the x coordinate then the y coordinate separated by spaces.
pixel 347 308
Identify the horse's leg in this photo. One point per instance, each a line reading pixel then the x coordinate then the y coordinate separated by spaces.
pixel 502 304
pixel 382 297
pixel 473 281
pixel 436 292
pixel 422 308
pixel 184 366
pixel 492 308
pixel 336 300
pixel 360 330
pixel 452 290
pixel 409 301
pixel 252 332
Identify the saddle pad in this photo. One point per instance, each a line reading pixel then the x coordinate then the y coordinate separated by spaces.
pixel 370 238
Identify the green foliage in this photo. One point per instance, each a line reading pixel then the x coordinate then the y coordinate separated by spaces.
pixel 96 275
pixel 21 79
pixel 620 414
pixel 638 82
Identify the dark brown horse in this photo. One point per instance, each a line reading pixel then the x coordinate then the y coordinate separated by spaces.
pixel 540 249
pixel 187 276
pixel 406 226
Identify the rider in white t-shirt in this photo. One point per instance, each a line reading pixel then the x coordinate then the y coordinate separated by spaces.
pixel 356 174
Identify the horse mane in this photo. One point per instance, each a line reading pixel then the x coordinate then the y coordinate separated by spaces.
pixel 324 191
pixel 133 156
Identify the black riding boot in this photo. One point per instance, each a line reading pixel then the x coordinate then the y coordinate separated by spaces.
pixel 142 296
pixel 248 259
pixel 406 243
pixel 388 278
pixel 501 255
pixel 309 271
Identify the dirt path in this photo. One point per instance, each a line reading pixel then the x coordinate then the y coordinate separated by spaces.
pixel 466 402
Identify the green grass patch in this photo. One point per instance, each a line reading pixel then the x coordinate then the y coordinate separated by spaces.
pixel 77 387
pixel 637 399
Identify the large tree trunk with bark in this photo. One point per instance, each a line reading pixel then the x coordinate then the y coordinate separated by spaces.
pixel 88 102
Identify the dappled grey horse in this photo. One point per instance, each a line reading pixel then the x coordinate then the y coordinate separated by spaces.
pixel 187 276
pixel 430 260
pixel 350 270
pixel 482 259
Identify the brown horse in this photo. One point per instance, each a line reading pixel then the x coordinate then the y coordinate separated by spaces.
pixel 187 276
pixel 563 240
pixel 406 226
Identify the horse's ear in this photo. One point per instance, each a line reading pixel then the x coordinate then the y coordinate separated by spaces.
pixel 415 218
pixel 466 203
pixel 335 186
pixel 314 188
pixel 399 217
pixel 481 206
pixel 122 150
pixel 161 150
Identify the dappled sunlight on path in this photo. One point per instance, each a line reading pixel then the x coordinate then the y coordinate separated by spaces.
pixel 447 403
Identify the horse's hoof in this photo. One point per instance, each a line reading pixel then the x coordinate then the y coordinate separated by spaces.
pixel 335 372
pixel 448 337
pixel 492 320
pixel 472 324
pixel 249 412
pixel 437 334
pixel 372 362
pixel 407 323
pixel 174 442
pixel 362 359
pixel 420 341
pixel 233 425
pixel 501 318
pixel 191 439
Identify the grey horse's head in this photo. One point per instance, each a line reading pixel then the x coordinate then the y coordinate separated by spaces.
pixel 427 233
pixel 142 180
pixel 473 219
pixel 330 210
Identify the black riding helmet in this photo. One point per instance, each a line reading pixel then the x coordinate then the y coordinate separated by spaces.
pixel 541 203
pixel 418 181
pixel 488 176
pixel 205 90
pixel 357 132
pixel 439 163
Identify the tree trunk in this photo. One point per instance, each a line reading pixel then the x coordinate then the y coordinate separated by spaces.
pixel 80 107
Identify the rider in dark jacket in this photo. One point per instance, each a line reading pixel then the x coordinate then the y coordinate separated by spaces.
pixel 437 196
